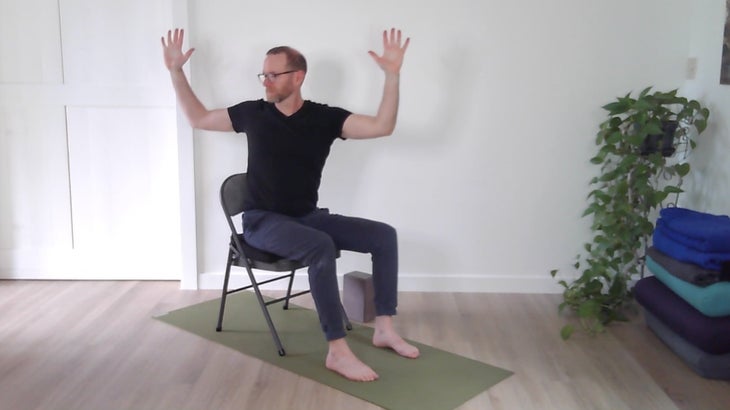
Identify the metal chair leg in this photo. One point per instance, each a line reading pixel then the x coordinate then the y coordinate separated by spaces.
pixel 346 319
pixel 288 290
pixel 225 290
pixel 265 311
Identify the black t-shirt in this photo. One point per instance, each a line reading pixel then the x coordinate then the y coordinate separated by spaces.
pixel 286 155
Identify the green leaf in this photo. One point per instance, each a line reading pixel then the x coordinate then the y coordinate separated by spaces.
pixel 598 159
pixel 637 139
pixel 628 161
pixel 618 287
pixel 591 209
pixel 594 287
pixel 669 189
pixel 600 196
pixel 589 308
pixel 642 105
pixel 705 113
pixel 615 122
pixel 610 176
pixel 618 107
pixel 659 197
pixel 566 332
pixel 654 128
pixel 614 138
pixel 553 272
pixel 682 169
pixel 701 125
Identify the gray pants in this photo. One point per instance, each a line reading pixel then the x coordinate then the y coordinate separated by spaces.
pixel 314 239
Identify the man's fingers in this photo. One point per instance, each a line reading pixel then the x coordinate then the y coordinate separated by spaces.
pixel 174 38
pixel 394 38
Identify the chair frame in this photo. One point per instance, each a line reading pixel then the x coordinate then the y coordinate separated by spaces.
pixel 233 192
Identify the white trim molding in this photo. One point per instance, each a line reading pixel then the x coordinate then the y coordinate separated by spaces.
pixel 411 282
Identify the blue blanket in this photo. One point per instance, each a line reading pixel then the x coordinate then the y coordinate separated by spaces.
pixel 681 252
pixel 697 230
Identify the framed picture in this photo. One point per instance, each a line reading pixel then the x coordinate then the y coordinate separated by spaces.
pixel 725 65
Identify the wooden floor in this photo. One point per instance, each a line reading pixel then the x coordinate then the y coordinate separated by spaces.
pixel 94 345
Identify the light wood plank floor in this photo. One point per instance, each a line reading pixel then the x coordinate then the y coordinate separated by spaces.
pixel 94 345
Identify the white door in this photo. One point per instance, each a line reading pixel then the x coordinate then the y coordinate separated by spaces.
pixel 89 177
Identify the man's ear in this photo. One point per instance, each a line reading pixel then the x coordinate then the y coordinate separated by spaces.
pixel 299 77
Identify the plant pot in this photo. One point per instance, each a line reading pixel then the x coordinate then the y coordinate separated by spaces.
pixel 663 142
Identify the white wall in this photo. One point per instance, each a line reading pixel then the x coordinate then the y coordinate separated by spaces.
pixel 486 175
pixel 707 188
pixel 88 150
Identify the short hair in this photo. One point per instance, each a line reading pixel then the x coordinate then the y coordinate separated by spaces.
pixel 295 60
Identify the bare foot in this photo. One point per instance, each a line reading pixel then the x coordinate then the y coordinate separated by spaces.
pixel 386 336
pixel 342 360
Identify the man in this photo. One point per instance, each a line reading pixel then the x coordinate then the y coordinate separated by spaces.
pixel 289 139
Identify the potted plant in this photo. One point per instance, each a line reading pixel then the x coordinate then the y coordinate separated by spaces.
pixel 634 143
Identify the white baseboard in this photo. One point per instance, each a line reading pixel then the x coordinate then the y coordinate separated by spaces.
pixel 99 274
pixel 412 282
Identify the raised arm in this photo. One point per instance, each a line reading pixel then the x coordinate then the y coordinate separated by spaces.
pixel 195 111
pixel 360 126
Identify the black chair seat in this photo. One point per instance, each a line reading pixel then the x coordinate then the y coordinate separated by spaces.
pixel 256 254
pixel 263 260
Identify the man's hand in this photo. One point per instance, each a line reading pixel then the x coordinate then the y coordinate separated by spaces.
pixel 172 50
pixel 392 58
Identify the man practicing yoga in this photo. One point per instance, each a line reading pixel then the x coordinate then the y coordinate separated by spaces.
pixel 289 139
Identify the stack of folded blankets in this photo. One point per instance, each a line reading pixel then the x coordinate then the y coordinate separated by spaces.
pixel 687 301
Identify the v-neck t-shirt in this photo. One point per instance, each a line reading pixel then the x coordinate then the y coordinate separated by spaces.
pixel 286 154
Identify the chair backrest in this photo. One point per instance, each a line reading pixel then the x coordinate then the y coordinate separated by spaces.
pixel 234 192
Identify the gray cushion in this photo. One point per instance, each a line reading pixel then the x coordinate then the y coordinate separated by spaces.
pixel 705 364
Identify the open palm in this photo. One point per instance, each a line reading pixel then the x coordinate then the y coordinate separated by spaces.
pixel 393 51
pixel 172 50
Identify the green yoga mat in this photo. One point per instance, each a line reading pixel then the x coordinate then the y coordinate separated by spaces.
pixel 441 379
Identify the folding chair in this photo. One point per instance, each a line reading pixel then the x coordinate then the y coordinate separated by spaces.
pixel 234 191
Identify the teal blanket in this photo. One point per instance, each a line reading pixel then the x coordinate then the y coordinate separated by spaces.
pixel 712 301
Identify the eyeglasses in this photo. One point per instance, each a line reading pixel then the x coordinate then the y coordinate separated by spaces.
pixel 272 76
